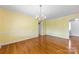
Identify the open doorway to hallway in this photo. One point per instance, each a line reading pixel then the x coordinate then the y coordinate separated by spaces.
pixel 74 35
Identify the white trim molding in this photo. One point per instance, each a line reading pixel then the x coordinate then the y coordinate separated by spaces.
pixel 14 41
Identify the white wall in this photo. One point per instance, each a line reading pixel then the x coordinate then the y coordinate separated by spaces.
pixel 74 28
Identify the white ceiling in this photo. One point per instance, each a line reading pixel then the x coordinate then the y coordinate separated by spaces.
pixel 50 11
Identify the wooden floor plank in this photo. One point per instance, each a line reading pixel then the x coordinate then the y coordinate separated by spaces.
pixel 46 45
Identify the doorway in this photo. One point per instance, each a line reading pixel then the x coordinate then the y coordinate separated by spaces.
pixel 73 35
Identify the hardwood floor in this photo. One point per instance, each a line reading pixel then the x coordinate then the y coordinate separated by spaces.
pixel 30 46
pixel 47 45
pixel 56 45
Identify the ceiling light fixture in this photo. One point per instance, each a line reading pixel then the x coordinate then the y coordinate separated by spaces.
pixel 76 19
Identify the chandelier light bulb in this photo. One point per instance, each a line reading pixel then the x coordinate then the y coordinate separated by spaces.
pixel 76 19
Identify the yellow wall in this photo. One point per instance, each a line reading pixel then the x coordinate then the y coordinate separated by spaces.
pixel 16 26
pixel 58 27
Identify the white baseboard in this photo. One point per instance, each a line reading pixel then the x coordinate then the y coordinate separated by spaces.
pixel 61 37
pixel 14 41
pixel 74 35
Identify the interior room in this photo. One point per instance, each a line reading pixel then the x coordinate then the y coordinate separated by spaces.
pixel 39 29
